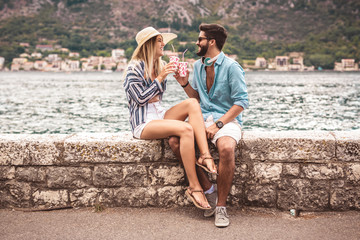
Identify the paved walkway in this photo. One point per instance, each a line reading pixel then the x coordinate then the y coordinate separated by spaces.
pixel 175 223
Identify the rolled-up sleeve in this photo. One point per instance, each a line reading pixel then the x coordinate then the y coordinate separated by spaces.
pixel 238 87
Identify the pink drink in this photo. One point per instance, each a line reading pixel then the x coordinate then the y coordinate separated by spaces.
pixel 175 59
pixel 183 69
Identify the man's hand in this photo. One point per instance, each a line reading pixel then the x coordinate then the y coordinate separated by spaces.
pixel 182 80
pixel 211 131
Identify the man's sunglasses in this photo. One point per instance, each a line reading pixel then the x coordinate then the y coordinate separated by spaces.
pixel 201 38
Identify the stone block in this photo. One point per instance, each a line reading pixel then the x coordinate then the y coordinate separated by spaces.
pixel 31 149
pixel 117 176
pixel 241 174
pixel 303 194
pixel 337 184
pixel 111 148
pixel 84 197
pixel 322 171
pixel 138 197
pixel 354 173
pixel 15 194
pixel 288 146
pixel 166 175
pixel 69 177
pixel 7 173
pixel 172 196
pixel 50 198
pixel 267 172
pixel 348 145
pixel 261 196
pixel 291 169
pixel 31 174
pixel 168 153
pixel 236 196
pixel 345 198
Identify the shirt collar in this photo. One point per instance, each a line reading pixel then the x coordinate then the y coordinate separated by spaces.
pixel 220 59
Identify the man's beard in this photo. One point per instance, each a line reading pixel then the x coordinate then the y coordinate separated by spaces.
pixel 203 50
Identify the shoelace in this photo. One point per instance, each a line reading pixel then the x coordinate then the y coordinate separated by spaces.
pixel 221 211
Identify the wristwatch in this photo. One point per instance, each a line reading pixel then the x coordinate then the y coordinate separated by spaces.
pixel 219 124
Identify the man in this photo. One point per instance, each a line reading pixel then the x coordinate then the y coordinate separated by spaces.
pixel 219 85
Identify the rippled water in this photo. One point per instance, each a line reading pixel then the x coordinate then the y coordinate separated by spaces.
pixel 35 102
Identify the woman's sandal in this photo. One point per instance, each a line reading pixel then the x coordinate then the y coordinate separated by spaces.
pixel 203 158
pixel 189 194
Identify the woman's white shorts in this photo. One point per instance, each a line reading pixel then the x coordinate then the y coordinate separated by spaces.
pixel 154 112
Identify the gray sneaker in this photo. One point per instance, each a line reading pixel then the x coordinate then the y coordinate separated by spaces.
pixel 221 217
pixel 212 199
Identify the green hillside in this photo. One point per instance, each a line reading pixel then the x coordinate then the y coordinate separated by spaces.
pixel 326 30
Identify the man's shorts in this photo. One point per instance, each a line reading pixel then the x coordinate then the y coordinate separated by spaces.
pixel 231 129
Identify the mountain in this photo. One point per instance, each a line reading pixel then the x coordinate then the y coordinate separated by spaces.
pixel 268 24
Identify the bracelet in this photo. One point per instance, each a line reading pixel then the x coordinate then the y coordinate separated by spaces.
pixel 184 86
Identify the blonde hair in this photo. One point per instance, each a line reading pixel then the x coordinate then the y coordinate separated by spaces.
pixel 146 53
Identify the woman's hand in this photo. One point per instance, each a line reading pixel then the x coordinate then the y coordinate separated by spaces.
pixel 182 80
pixel 167 69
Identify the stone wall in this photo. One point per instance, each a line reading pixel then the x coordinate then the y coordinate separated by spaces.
pixel 314 171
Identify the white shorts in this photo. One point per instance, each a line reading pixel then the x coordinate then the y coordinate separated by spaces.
pixel 154 112
pixel 231 129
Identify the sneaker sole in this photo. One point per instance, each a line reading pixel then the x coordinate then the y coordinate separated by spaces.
pixel 209 214
pixel 222 225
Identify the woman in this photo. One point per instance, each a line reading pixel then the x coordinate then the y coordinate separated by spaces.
pixel 145 83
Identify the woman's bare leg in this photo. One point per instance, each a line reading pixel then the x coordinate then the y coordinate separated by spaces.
pixel 190 109
pixel 164 128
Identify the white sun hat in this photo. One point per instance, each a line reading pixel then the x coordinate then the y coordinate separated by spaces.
pixel 148 33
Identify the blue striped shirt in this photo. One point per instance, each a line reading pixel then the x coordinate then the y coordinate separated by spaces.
pixel 139 91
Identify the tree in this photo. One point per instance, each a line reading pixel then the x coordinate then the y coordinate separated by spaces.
pixel 325 61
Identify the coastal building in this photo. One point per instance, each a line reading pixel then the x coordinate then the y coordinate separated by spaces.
pixel 74 54
pixel 40 65
pixel 64 50
pixel 296 61
pixel 17 64
pixel 26 45
pixel 55 66
pixel 117 54
pixel 28 66
pixel 121 66
pixel 2 62
pixel 15 67
pixel 260 62
pixel 70 66
pixel 282 63
pixel 36 55
pixel 346 65
pixel 24 55
pixel 44 48
pixel 53 58
pixel 108 63
pixel 19 61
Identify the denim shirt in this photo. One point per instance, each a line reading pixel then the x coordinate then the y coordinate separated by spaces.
pixel 228 89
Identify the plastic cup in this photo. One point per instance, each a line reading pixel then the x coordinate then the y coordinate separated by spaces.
pixel 183 69
pixel 176 60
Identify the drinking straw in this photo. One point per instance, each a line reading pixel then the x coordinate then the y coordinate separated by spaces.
pixel 183 55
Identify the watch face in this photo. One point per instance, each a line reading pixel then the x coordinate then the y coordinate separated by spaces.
pixel 219 124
